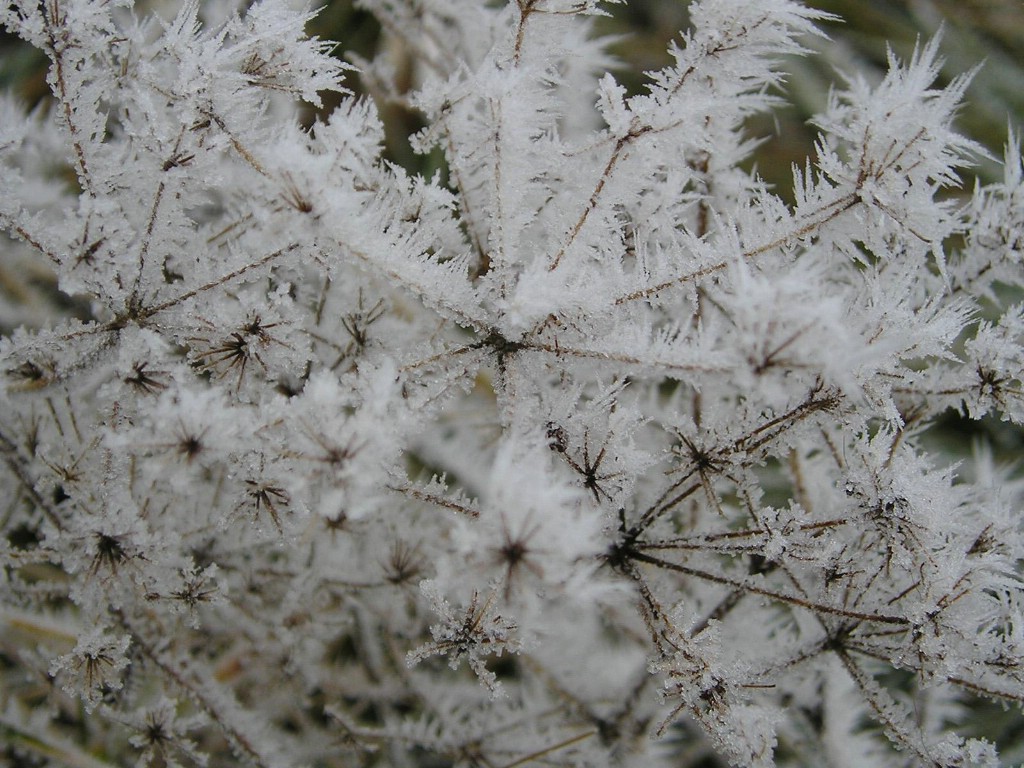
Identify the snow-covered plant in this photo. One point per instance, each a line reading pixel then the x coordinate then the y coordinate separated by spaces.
pixel 586 450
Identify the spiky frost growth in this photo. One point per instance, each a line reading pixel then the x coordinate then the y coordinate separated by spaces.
pixel 592 411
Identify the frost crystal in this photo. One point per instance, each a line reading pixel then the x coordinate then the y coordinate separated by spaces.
pixel 577 405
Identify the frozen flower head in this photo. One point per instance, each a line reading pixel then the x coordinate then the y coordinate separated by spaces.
pixel 93 670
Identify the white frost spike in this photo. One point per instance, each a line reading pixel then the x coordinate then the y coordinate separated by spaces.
pixel 628 418
pixel 473 634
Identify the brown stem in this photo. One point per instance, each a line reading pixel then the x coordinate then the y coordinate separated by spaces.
pixel 838 207
pixel 763 591
pixel 16 462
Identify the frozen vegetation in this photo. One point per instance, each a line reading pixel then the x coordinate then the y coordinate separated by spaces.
pixel 586 450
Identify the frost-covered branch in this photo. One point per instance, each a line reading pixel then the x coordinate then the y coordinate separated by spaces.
pixel 293 432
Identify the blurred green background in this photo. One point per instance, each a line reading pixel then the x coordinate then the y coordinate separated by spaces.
pixel 986 32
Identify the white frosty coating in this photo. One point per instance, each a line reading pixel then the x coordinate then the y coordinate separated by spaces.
pixel 592 410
